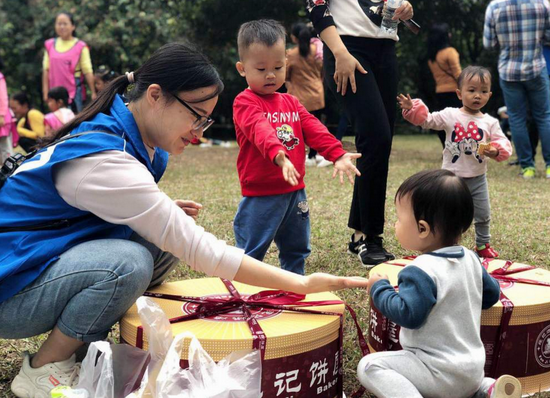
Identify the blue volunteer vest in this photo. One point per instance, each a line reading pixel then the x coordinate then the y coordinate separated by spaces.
pixel 29 198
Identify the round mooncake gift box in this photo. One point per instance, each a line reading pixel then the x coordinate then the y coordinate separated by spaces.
pixel 302 353
pixel 515 331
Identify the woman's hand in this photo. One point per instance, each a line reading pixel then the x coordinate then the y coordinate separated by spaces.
pixel 290 174
pixel 373 279
pixel 403 12
pixel 319 282
pixel 345 72
pixel 94 96
pixel 344 164
pixel 190 208
pixel 405 102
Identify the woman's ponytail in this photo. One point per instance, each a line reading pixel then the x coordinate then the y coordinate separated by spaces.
pixel 303 33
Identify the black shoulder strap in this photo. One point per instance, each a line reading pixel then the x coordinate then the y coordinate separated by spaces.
pixel 13 162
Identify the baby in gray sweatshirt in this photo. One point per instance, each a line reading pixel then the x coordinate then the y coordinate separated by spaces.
pixel 439 301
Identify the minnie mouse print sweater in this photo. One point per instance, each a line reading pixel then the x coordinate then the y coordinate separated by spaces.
pixel 464 135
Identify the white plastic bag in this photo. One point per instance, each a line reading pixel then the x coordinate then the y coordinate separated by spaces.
pixel 109 371
pixel 159 336
pixel 237 376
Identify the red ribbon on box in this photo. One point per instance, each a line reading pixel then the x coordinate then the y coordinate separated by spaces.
pixel 271 299
pixel 500 274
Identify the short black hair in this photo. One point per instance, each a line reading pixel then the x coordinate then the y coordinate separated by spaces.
pixel 22 98
pixel 443 200
pixel 264 31
pixel 106 74
pixel 474 71
pixel 59 93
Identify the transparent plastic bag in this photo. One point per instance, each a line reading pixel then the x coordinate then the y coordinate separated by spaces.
pixel 108 371
pixel 236 376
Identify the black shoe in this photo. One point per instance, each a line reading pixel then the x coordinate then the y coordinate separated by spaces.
pixel 372 252
pixel 353 246
pixel 513 163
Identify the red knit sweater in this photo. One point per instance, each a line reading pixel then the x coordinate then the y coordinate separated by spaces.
pixel 266 124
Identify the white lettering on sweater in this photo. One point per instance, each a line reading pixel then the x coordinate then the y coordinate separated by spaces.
pixel 282 117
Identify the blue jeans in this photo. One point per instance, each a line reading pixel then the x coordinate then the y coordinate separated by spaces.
pixel 78 96
pixel 87 290
pixel 284 219
pixel 518 96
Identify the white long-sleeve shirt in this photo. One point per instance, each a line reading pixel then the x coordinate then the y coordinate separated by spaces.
pixel 116 187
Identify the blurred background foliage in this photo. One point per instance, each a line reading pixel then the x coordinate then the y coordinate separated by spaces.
pixel 121 34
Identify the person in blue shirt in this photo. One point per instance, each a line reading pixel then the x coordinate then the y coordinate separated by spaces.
pixel 439 300
pixel 85 229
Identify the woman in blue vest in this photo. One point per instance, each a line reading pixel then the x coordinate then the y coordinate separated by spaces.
pixel 85 229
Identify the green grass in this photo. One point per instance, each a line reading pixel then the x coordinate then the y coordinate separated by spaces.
pixel 520 223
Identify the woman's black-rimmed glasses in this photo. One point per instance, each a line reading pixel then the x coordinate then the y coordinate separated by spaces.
pixel 202 122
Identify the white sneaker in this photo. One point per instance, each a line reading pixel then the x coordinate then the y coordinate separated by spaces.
pixel 506 386
pixel 311 162
pixel 38 382
pixel 324 163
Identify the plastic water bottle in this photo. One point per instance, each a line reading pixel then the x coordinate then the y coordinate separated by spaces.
pixel 389 26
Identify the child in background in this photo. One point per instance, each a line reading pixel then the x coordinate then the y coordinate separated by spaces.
pixel 272 130
pixel 30 122
pixel 7 123
pixel 439 300
pixel 58 102
pixel 471 138
pixel 304 79
pixel 103 76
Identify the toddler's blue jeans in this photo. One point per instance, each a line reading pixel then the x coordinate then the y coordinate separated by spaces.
pixel 284 219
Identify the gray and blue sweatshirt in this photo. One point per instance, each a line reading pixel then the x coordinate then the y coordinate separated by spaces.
pixel 438 306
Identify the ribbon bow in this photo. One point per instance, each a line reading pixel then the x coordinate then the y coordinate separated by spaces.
pixel 272 299
pixel 473 132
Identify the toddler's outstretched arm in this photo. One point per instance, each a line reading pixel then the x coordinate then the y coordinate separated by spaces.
pixel 417 113
pixel 344 164
pixel 290 174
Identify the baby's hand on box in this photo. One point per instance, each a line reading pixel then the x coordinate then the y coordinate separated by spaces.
pixel 373 279
pixel 344 164
pixel 405 102
pixel 290 174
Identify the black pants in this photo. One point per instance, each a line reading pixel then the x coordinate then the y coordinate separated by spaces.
pixel 371 113
pixel 27 144
pixel 446 100
pixel 318 114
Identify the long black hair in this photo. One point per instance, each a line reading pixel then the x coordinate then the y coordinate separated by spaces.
pixel 438 39
pixel 175 67
pixel 303 33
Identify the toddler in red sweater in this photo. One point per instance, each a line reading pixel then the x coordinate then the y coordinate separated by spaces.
pixel 272 130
